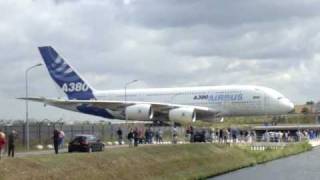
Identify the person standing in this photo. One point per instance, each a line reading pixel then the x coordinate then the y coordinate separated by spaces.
pixel 119 133
pixel 225 135
pixel 221 135
pixel 56 140
pixel 61 139
pixel 191 130
pixel 156 135
pixel 2 142
pixel 151 136
pixel 11 143
pixel 147 136
pixel 130 138
pixel 140 138
pixel 136 137
pixel 174 135
pixel 160 132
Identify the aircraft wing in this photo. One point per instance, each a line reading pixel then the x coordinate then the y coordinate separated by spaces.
pixel 121 105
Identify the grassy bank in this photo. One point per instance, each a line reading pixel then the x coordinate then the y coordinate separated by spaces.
pixel 190 161
pixel 269 154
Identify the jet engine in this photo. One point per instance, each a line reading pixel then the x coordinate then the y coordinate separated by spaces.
pixel 182 114
pixel 139 112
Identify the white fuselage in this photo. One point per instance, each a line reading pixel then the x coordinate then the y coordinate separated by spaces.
pixel 228 100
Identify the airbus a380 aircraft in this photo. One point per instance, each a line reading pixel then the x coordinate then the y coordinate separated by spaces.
pixel 174 104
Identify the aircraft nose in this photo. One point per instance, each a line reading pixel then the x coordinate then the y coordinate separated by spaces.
pixel 288 105
pixel 291 107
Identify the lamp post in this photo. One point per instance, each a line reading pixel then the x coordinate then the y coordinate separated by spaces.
pixel 125 97
pixel 27 105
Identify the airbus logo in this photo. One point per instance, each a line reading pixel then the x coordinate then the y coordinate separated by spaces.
pixel 220 97
pixel 201 97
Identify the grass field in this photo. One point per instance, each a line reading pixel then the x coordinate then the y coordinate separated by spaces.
pixel 189 161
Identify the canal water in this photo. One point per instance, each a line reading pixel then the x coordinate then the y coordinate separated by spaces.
pixel 298 167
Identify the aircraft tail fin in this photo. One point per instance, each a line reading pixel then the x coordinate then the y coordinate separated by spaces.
pixel 65 76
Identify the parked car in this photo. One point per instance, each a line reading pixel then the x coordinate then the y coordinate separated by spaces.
pixel 85 143
pixel 199 136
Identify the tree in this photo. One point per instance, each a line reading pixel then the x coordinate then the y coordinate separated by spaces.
pixel 305 110
pixel 309 103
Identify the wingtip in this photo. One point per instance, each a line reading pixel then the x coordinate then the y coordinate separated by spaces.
pixel 21 98
pixel 40 47
pixel 31 98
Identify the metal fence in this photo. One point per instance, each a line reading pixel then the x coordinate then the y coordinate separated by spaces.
pixel 42 133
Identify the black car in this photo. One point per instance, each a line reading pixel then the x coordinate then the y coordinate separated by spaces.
pixel 85 143
pixel 199 136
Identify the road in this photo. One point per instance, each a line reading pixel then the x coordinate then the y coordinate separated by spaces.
pixel 44 152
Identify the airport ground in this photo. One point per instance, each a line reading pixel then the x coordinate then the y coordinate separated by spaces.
pixel 41 131
pixel 180 161
pixel 184 161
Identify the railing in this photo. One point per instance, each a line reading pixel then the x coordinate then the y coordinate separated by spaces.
pixel 41 133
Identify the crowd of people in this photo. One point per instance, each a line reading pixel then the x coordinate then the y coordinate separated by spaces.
pixel 289 136
pixel 140 136
pixel 154 135
pixel 11 142
pixel 135 136
pixel 222 135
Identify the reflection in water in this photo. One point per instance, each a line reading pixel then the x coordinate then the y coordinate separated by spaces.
pixel 299 167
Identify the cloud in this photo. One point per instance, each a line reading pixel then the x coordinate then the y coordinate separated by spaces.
pixel 165 43
pixel 224 14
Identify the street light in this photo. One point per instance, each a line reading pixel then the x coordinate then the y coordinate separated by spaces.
pixel 27 105
pixel 125 97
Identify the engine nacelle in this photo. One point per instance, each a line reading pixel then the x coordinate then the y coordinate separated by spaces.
pixel 182 114
pixel 139 112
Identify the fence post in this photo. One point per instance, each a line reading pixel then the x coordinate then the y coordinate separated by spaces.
pixel 39 133
pixel 6 130
pixel 48 133
pixel 71 131
pixel 6 133
pixel 102 132
pixel 24 134
pixel 111 129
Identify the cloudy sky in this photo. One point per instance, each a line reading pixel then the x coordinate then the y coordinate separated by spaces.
pixel 163 43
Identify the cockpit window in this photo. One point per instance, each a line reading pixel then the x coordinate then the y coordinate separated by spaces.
pixel 256 97
pixel 279 98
